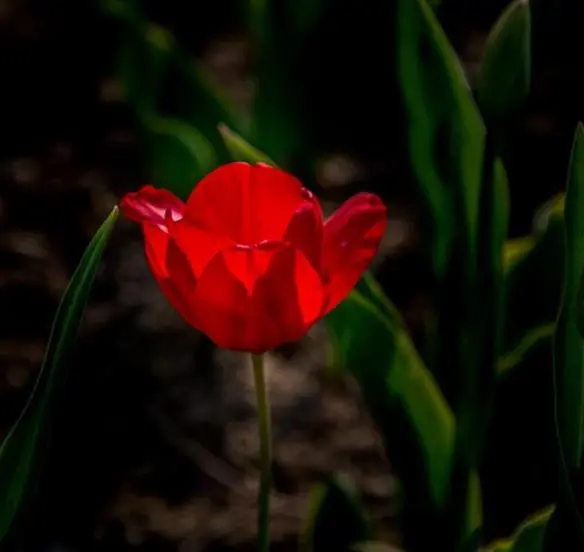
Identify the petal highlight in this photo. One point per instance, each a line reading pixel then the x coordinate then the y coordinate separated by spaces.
pixel 247 203
pixel 351 239
pixel 286 301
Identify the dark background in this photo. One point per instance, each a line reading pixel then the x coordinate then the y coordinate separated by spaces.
pixel 155 448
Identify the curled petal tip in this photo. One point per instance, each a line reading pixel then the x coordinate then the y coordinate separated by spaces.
pixel 152 205
pixel 352 236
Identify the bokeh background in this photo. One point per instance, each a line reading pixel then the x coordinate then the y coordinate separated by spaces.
pixel 155 445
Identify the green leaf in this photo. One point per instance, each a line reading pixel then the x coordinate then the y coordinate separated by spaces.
pixel 506 66
pixel 478 334
pixel 568 347
pixel 369 287
pixel 336 518
pixel 446 134
pixel 568 344
pixel 533 276
pixel 498 189
pixel 399 391
pixel 21 450
pixel 178 154
pixel 529 536
pixel 240 150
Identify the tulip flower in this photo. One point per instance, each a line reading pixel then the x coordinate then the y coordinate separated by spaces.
pixel 250 262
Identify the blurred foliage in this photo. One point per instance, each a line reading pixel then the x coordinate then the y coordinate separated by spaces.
pixel 445 131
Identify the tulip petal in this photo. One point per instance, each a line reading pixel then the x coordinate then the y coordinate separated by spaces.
pixel 351 239
pixel 155 247
pixel 286 301
pixel 306 229
pixel 249 263
pixel 179 287
pixel 247 203
pixel 221 306
pixel 198 244
pixel 165 260
pixel 152 205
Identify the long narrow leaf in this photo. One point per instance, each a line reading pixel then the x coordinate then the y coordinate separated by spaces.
pixel 569 345
pixel 568 348
pixel 533 277
pixel 20 451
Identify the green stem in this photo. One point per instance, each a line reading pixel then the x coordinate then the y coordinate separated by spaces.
pixel 265 453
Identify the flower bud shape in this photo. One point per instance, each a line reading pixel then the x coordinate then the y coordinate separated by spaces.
pixel 248 259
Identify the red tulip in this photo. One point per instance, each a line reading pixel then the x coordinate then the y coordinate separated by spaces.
pixel 248 259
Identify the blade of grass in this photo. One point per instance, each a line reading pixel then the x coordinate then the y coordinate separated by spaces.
pixel 21 450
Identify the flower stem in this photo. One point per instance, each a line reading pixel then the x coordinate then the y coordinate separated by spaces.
pixel 263 409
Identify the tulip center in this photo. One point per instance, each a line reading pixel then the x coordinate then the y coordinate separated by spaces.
pixel 248 262
pixel 264 245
